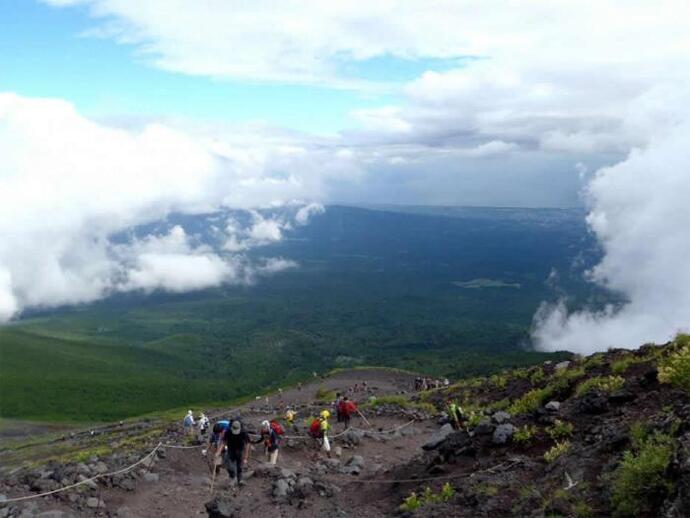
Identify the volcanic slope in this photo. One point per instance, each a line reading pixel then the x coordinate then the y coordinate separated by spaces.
pixel 606 435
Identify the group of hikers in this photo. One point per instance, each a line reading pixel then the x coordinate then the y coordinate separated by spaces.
pixel 421 384
pixel 229 441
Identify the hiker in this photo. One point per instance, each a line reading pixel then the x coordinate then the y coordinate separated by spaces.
pixel 188 424
pixel 214 444
pixel 290 415
pixel 235 440
pixel 446 382
pixel 336 406
pixel 271 435
pixel 323 428
pixel 203 424
pixel 454 414
pixel 345 410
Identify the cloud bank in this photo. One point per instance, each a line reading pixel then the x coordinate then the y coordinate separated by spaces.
pixel 67 185
pixel 641 215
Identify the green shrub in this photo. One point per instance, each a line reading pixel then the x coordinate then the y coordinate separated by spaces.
pixel 411 503
pixel 501 404
pixel 474 419
pixel 639 484
pixel 621 365
pixel 447 492
pixel 560 430
pixel 530 401
pixel 570 374
pixel 537 376
pixel 675 368
pixel 638 434
pixel 602 383
pixel 525 433
pixel 415 502
pixel 558 449
pixel 499 380
pixel 596 360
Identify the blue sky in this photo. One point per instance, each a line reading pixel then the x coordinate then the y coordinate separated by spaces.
pixel 43 53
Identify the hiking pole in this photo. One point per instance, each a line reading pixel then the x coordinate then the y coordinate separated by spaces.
pixel 213 479
pixel 364 418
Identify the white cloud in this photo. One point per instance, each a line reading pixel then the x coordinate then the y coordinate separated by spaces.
pixel 67 184
pixel 306 212
pixel 641 215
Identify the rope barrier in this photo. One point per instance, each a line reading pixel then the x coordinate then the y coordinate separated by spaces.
pixel 85 481
pixel 179 447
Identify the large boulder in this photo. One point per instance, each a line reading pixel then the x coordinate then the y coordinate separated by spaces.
pixel 440 436
pixel 485 427
pixel 502 433
pixel 281 488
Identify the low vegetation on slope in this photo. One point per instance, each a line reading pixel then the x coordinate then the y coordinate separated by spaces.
pixel 607 435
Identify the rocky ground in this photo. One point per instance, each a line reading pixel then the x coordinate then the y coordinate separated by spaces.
pixel 593 437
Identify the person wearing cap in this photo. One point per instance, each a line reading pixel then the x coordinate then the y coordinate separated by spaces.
pixel 188 423
pixel 271 441
pixel 235 440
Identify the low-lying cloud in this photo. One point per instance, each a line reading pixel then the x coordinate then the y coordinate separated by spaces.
pixel 641 215
pixel 67 185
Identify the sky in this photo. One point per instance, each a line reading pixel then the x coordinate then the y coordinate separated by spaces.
pixel 115 113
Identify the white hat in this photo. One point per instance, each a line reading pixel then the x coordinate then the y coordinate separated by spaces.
pixel 265 424
pixel 189 412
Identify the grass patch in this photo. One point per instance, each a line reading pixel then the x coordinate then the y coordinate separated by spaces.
pixel 323 395
pixel 558 449
pixel 530 401
pixel 675 368
pixel 524 434
pixel 601 383
pixel 560 430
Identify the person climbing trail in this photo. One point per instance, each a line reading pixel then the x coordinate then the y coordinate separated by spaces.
pixel 271 433
pixel 345 410
pixel 236 440
pixel 214 445
pixel 324 427
pixel 454 414
pixel 290 415
pixel 203 424
pixel 188 424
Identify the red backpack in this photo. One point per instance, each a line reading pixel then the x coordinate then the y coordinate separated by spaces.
pixel 315 428
pixel 277 428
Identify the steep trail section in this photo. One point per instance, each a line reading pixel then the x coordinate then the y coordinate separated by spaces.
pixel 173 476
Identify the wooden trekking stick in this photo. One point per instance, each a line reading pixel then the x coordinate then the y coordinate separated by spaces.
pixel 364 418
pixel 213 479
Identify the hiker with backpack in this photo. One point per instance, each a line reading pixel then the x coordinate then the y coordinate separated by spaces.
pixel 318 430
pixel 345 410
pixel 235 441
pixel 214 445
pixel 271 433
pixel 203 424
pixel 454 414
pixel 188 424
